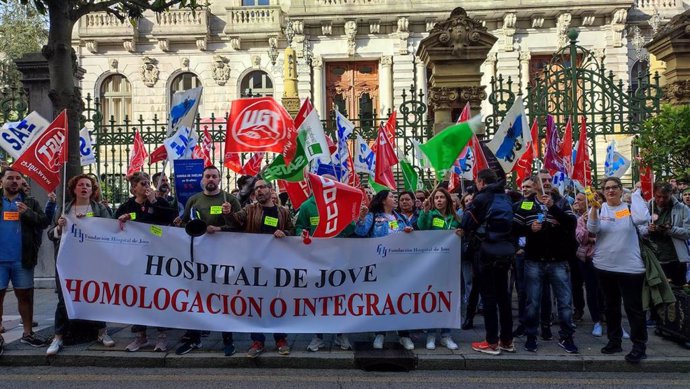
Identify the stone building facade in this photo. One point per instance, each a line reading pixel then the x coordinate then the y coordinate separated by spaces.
pixel 357 54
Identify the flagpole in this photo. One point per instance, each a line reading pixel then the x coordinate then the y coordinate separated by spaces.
pixel 64 187
pixel 225 196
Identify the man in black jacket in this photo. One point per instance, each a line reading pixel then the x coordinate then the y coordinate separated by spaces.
pixel 481 225
pixel 548 229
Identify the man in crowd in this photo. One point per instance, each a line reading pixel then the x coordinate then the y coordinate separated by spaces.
pixel 162 190
pixel 487 223
pixel 214 207
pixel 265 217
pixel 21 220
pixel 547 228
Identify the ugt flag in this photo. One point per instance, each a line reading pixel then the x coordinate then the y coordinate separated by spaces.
pixel 511 139
pixel 44 157
pixel 15 137
pixel 337 204
pixel 258 124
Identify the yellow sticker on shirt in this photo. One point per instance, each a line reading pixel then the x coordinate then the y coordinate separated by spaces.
pixel 623 213
pixel 440 223
pixel 271 221
pixel 393 225
pixel 216 210
pixel 10 216
pixel 527 205
pixel 314 220
pixel 89 214
pixel 155 230
pixel 133 216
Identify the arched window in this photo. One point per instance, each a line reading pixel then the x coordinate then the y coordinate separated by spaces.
pixel 638 73
pixel 184 81
pixel 116 98
pixel 256 83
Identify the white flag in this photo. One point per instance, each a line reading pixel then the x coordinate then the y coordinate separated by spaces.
pixel 180 145
pixel 344 130
pixel 512 137
pixel 365 159
pixel 15 137
pixel 183 110
pixel 315 144
pixel 85 148
pixel 615 164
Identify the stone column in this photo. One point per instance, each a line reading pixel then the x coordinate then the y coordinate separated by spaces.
pixel 525 57
pixel 386 88
pixel 319 95
pixel 440 100
pixel 420 76
pixel 672 46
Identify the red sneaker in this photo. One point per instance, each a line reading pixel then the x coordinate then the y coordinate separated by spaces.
pixel 255 350
pixel 283 347
pixel 486 348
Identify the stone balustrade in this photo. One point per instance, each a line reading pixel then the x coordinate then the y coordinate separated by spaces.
pixel 661 5
pixel 106 27
pixel 348 2
pixel 266 19
pixel 181 22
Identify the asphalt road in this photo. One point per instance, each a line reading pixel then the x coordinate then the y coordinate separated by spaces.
pixel 89 377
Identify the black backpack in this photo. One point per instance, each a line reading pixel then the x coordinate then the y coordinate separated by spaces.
pixel 496 238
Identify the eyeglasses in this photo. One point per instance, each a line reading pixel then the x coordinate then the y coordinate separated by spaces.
pixel 608 188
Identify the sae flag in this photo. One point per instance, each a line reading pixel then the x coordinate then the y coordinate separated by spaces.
pixel 86 148
pixel 15 137
pixel 615 164
pixel 365 159
pixel 512 138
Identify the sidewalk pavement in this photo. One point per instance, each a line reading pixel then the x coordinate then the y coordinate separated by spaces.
pixel 663 355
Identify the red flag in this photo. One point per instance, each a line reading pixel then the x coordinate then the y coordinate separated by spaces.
pixel 385 160
pixel 535 138
pixel 298 192
pixel 303 112
pixel 337 204
pixel 523 167
pixel 480 161
pixel 582 170
pixel 206 145
pixel 466 114
pixel 157 155
pixel 44 157
pixel 137 156
pixel 291 147
pixel 646 181
pixel 253 165
pixel 260 124
pixel 566 148
pixel 389 130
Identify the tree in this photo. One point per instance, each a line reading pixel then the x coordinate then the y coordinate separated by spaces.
pixel 22 29
pixel 62 16
pixel 665 142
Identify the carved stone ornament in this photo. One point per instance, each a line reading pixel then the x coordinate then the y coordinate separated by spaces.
pixel 430 23
pixel 677 93
pixel 617 28
pixel 221 69
pixel 351 33
pixel 326 28
pixel 164 44
pixel 235 43
pixel 202 44
pixel 588 20
pixel 374 26
pixel 562 25
pixel 679 23
pixel 460 31
pixel 387 60
pixel 184 64
pixel 256 61
pixel 129 45
pixel 508 31
pixel 92 47
pixel 440 98
pixel 474 94
pixel 537 21
pixel 113 63
pixel 149 71
pixel 317 62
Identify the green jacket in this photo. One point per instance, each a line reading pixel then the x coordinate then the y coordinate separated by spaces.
pixel 433 220
pixel 308 219
pixel 33 221
pixel 655 291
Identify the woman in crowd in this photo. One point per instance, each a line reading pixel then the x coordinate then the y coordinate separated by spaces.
pixel 83 191
pixel 406 210
pixel 438 214
pixel 585 252
pixel 145 207
pixel 686 197
pixel 379 220
pixel 619 266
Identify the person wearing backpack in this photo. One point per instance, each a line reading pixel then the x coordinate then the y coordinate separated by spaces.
pixel 487 223
pixel 547 228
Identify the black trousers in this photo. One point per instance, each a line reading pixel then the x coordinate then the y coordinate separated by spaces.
pixel 493 286
pixel 628 288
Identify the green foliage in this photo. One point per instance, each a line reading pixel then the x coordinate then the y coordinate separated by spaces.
pixel 22 29
pixel 665 142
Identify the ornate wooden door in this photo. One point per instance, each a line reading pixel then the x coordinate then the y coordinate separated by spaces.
pixel 353 87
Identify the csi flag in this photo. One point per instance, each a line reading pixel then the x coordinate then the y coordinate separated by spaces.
pixel 337 204
pixel 511 139
pixel 15 137
pixel 615 164
pixel 44 157
pixel 180 145
pixel 183 109
pixel 85 148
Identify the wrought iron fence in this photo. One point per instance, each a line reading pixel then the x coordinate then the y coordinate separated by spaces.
pixel 581 87
pixel 113 140
pixel 13 100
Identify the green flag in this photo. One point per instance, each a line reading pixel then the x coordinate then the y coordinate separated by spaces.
pixel 410 177
pixel 445 147
pixel 376 186
pixel 295 172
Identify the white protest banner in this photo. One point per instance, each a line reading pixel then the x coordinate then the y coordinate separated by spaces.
pixel 15 137
pixel 257 283
pixel 85 148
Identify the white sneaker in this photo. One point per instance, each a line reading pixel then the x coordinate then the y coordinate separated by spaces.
pixel 626 335
pixel 343 341
pixel 431 342
pixel 106 340
pixel 55 347
pixel 315 344
pixel 597 330
pixel 161 342
pixel 137 343
pixel 449 343
pixel 378 342
pixel 407 343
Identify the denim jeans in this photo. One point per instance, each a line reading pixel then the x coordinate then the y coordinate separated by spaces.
pixel 545 309
pixel 539 275
pixel 466 268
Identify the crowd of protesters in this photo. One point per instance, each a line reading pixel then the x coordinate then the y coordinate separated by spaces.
pixel 577 251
